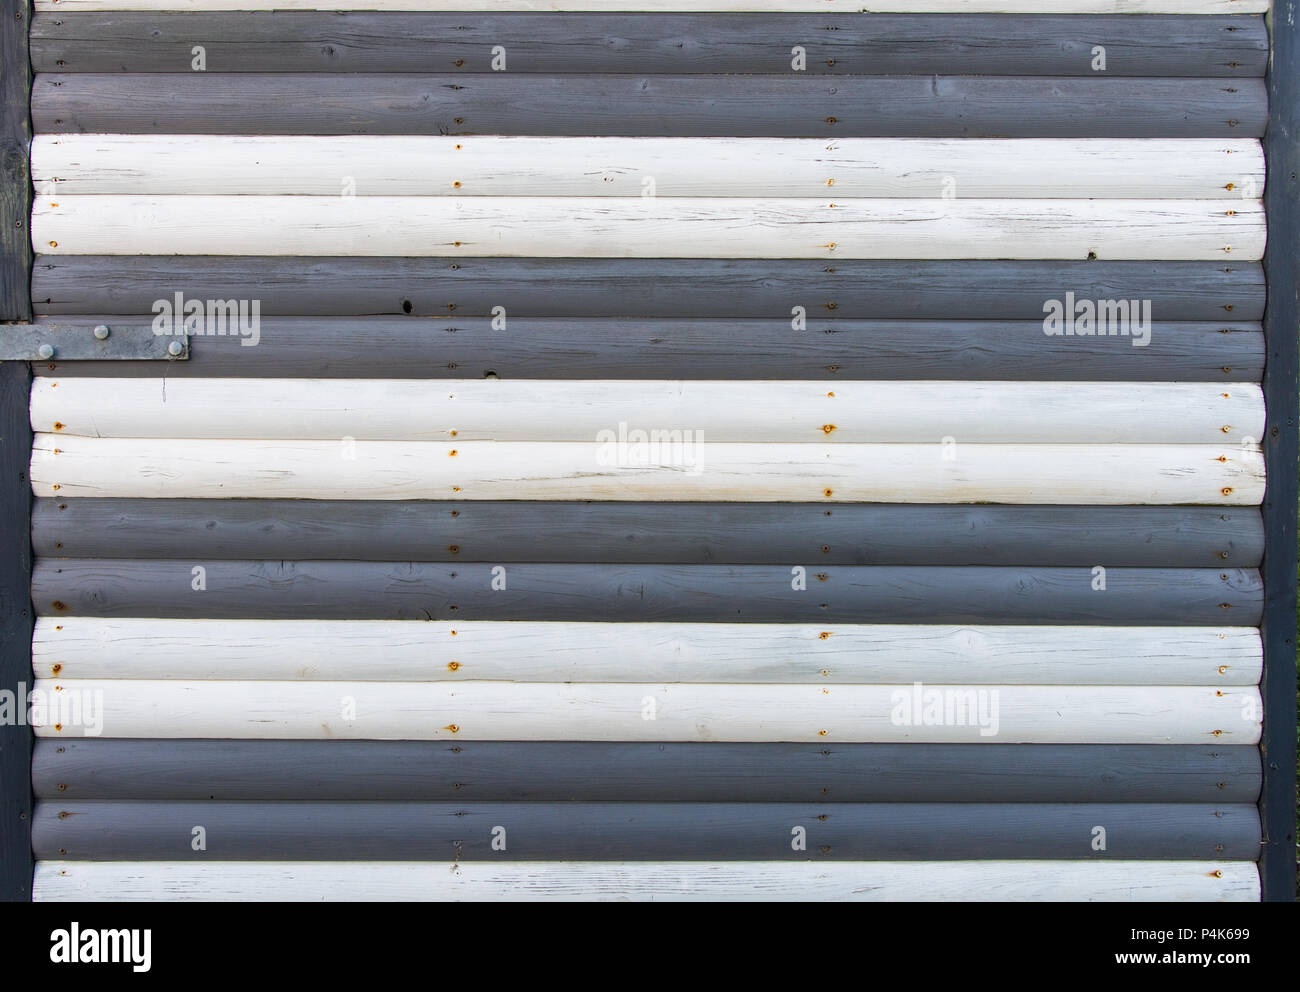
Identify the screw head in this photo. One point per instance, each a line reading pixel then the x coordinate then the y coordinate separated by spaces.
pixel 175 348
pixel 101 331
pixel 45 351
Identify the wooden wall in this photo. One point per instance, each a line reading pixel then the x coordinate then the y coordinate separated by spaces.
pixel 384 579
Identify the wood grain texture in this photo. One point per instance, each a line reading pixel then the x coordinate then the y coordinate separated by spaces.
pixel 819 6
pixel 687 470
pixel 435 165
pixel 946 881
pixel 16 616
pixel 105 830
pixel 649 227
pixel 836 43
pixel 520 651
pixel 15 506
pixel 1069 104
pixel 687 533
pixel 1282 451
pixel 468 288
pixel 15 171
pixel 684 106
pixel 701 593
pixel 464 410
pixel 593 771
pixel 552 711
pixel 566 348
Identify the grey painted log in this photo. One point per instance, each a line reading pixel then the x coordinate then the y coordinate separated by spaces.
pixel 109 830
pixel 593 348
pixel 838 44
pixel 710 593
pixel 630 287
pixel 690 533
pixel 594 771
pixel 736 105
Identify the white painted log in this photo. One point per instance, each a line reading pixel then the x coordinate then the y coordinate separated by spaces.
pixel 496 165
pixel 696 6
pixel 1228 475
pixel 639 711
pixel 524 651
pixel 649 227
pixel 579 410
pixel 647 881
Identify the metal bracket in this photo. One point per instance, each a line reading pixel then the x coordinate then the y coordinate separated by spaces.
pixel 87 341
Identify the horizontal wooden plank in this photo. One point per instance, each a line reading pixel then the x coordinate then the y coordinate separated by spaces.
pixel 685 533
pixel 623 348
pixel 466 288
pixel 438 165
pixel 937 472
pixel 424 40
pixel 819 6
pixel 632 412
pixel 592 771
pixel 631 105
pixel 520 651
pixel 650 227
pixel 683 881
pixel 947 881
pixel 133 830
pixel 557 711
pixel 839 44
pixel 702 593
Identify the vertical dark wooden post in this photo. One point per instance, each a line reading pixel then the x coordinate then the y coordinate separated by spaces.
pixel 15 450
pixel 1281 452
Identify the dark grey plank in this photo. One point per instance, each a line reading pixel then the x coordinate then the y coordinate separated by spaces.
pixel 15 630
pixel 15 442
pixel 148 831
pixel 1281 453
pixel 738 105
pixel 670 533
pixel 710 593
pixel 551 42
pixel 623 348
pixel 466 288
pixel 598 771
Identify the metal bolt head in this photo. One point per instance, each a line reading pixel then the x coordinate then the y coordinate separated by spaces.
pixel 101 332
pixel 45 351
pixel 175 348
